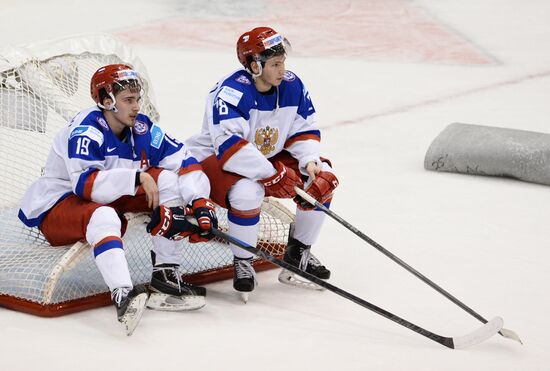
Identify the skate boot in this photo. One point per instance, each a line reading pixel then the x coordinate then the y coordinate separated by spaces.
pixel 129 306
pixel 170 292
pixel 244 279
pixel 300 256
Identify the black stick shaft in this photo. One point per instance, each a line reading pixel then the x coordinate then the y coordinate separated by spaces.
pixel 446 341
pixel 379 247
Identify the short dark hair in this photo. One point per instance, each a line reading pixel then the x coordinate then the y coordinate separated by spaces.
pixel 274 51
pixel 133 85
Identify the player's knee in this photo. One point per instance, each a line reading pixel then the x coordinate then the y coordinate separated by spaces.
pixel 104 222
pixel 168 187
pixel 246 194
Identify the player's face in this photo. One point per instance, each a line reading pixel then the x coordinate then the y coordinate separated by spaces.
pixel 128 104
pixel 273 71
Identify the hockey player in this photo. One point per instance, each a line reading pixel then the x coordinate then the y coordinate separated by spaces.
pixel 259 138
pixel 109 160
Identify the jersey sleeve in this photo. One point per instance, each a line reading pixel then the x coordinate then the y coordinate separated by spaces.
pixel 171 154
pixel 166 151
pixel 193 182
pixel 228 126
pixel 86 166
pixel 304 137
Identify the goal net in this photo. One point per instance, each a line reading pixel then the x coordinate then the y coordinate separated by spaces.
pixel 42 86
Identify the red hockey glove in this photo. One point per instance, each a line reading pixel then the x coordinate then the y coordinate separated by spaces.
pixel 171 223
pixel 320 189
pixel 204 211
pixel 282 183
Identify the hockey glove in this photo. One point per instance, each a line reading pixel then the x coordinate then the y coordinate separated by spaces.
pixel 205 213
pixel 321 189
pixel 171 223
pixel 282 183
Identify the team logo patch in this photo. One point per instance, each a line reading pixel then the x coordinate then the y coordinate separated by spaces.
pixel 289 76
pixel 79 130
pixel 230 95
pixel 102 122
pixel 157 135
pixel 266 139
pixel 140 128
pixel 243 80
pixel 88 131
pixel 272 41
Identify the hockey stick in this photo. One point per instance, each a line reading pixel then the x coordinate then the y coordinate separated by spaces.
pixel 509 334
pixel 481 334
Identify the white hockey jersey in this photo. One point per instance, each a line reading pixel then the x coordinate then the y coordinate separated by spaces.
pixel 89 160
pixel 244 127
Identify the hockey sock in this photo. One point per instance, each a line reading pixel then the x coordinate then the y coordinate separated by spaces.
pixel 111 262
pixel 245 227
pixel 308 225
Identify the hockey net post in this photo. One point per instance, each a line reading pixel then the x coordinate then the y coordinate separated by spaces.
pixel 42 86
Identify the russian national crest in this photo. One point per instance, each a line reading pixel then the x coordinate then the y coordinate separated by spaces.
pixel 266 139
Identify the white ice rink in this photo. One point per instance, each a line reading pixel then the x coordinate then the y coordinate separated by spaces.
pixel 386 77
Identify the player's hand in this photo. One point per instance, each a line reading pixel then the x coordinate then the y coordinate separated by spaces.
pixel 282 183
pixel 205 213
pixel 171 223
pixel 312 170
pixel 321 188
pixel 151 189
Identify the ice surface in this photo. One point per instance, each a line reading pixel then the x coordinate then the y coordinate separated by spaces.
pixel 385 77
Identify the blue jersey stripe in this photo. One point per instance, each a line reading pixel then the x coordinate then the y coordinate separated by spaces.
pixel 82 181
pixel 312 132
pixel 234 139
pixel 189 161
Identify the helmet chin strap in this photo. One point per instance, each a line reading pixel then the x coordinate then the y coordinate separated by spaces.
pixel 260 69
pixel 112 106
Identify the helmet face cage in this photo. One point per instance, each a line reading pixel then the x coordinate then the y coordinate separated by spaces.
pixel 259 45
pixel 274 51
pixel 112 79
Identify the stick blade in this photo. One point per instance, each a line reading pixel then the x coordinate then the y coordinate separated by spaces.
pixel 509 334
pixel 483 333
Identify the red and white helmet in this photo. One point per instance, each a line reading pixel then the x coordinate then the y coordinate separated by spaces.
pixel 260 44
pixel 111 79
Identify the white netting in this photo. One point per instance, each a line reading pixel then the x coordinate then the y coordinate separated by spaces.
pixel 41 88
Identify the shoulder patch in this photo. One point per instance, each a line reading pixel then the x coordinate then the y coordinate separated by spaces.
pixel 157 135
pixel 289 76
pixel 230 95
pixel 243 80
pixel 140 127
pixel 103 123
pixel 87 131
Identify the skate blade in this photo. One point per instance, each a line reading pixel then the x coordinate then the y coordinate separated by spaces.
pixel 170 303
pixel 133 314
pixel 243 296
pixel 288 278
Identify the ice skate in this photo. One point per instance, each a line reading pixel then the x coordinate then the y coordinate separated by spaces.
pixel 129 306
pixel 169 292
pixel 244 279
pixel 299 255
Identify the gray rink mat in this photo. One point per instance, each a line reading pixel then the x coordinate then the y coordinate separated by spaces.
pixel 493 151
